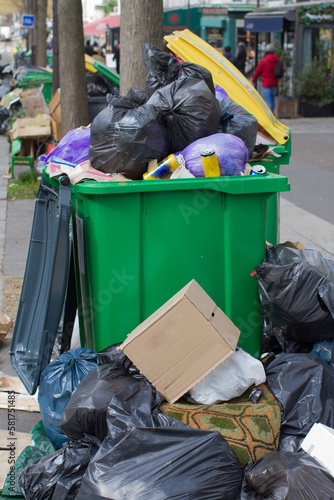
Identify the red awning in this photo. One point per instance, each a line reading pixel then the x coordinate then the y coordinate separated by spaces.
pixel 99 26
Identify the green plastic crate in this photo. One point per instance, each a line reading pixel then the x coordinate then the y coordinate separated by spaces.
pixel 138 242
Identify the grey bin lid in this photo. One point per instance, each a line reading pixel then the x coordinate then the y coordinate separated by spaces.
pixel 44 284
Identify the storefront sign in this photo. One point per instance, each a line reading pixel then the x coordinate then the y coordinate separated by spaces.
pixel 316 14
pixel 215 12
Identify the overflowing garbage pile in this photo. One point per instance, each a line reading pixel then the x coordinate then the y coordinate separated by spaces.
pixel 178 113
pixel 178 410
pixel 30 116
pixel 137 421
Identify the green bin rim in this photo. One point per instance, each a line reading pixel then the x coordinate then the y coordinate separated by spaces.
pixel 239 184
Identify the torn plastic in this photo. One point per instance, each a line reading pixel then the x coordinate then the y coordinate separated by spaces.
pixel 150 455
pixel 230 379
pixel 125 137
pixel 189 110
pixel 303 385
pixel 164 69
pixel 231 154
pixel 293 476
pixel 40 446
pixel 58 381
pixel 235 120
pixel 296 291
pixel 58 476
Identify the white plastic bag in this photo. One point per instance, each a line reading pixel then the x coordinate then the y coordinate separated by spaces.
pixel 230 379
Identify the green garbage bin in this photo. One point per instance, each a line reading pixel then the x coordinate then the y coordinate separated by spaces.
pixel 138 242
pixel 272 165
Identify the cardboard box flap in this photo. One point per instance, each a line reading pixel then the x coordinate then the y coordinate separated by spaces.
pixel 178 381
pixel 193 292
pixel 200 299
pixel 181 346
pixel 297 245
pixel 225 327
pixel 55 106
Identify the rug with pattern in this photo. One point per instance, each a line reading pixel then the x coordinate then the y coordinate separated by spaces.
pixel 252 429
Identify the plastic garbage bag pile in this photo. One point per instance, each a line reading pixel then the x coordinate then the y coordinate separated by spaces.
pixel 114 442
pixel 175 112
pixel 120 445
pixel 179 113
pixel 296 292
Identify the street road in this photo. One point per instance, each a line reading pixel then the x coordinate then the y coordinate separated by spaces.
pixel 311 169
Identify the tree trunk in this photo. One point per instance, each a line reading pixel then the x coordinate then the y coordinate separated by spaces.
pixel 141 22
pixel 33 32
pixel 41 7
pixel 55 51
pixel 72 74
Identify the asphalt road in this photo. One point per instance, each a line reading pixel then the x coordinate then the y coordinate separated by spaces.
pixel 311 168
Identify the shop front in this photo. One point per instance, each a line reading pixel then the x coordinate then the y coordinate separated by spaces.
pixel 304 31
pixel 218 26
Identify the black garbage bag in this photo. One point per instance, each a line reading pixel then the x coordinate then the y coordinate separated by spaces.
pixel 125 137
pixel 189 110
pixel 58 476
pixel 4 114
pixel 287 476
pixel 296 292
pixel 137 96
pixel 235 120
pixel 274 339
pixel 98 85
pixel 86 411
pixel 6 86
pixel 303 384
pixel 111 355
pixel 164 68
pixel 150 455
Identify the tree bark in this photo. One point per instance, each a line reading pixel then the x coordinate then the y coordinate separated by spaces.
pixel 41 8
pixel 55 51
pixel 72 74
pixel 141 22
pixel 33 32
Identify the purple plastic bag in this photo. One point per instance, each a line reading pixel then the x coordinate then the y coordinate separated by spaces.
pixel 220 93
pixel 231 152
pixel 73 147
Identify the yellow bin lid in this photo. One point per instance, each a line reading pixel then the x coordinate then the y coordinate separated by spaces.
pixel 191 48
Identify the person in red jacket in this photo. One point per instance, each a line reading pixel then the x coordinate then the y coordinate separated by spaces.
pixel 266 68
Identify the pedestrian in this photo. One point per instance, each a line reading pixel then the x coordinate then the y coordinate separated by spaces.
pixel 117 58
pixel 228 54
pixel 241 58
pixel 266 68
pixel 89 49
